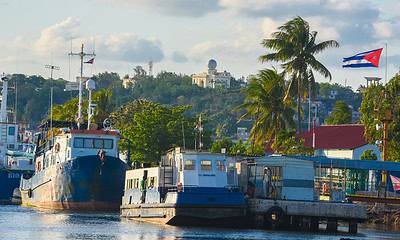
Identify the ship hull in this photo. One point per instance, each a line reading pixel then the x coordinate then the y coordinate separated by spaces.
pixel 189 215
pixel 195 207
pixel 10 180
pixel 84 183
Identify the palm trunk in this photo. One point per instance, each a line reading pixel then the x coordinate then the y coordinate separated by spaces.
pixel 298 106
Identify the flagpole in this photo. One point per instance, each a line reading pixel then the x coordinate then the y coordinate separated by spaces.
pixel 386 62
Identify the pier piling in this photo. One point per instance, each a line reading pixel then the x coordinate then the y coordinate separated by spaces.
pixel 353 227
pixel 332 225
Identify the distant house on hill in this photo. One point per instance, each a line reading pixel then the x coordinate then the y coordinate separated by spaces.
pixel 339 141
pixel 212 78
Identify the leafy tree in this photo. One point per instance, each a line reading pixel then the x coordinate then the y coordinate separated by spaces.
pixel 106 79
pixel 219 144
pixel 287 143
pixel 104 105
pixel 153 128
pixel 69 110
pixel 239 148
pixel 341 114
pixel 264 104
pixel 368 155
pixel 380 102
pixel 295 47
pixel 246 149
pixel 33 96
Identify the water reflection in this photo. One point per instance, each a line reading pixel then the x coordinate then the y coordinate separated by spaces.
pixel 25 223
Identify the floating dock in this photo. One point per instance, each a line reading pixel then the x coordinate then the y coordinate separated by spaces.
pixel 304 215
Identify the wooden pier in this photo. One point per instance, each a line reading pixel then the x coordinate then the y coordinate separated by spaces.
pixel 304 215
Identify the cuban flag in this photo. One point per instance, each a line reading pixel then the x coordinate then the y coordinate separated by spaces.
pixel 365 59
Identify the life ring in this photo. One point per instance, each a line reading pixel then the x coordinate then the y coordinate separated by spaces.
pixel 325 188
pixel 275 217
pixel 57 147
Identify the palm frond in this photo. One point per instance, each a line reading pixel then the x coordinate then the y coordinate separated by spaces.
pixel 324 45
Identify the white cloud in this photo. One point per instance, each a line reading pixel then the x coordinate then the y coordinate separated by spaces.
pixel 383 29
pixel 326 31
pixel 55 38
pixel 269 26
pixel 119 46
pixel 178 8
pixel 129 47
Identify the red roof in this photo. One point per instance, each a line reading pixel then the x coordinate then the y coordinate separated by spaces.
pixel 95 132
pixel 347 136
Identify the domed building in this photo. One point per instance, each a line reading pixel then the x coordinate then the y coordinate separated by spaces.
pixel 212 78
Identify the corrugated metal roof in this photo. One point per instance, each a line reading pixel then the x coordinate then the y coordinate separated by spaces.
pixel 349 136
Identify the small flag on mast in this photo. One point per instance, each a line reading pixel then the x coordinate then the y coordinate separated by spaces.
pixel 90 61
pixel 365 59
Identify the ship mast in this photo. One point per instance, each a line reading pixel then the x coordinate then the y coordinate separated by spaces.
pixel 3 121
pixel 52 68
pixel 4 93
pixel 81 54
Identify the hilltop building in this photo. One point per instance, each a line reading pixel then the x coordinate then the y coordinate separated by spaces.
pixel 212 78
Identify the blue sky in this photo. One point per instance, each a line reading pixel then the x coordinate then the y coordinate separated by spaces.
pixel 181 35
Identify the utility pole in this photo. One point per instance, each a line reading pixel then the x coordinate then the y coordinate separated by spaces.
pixel 386 121
pixel 52 68
pixel 81 55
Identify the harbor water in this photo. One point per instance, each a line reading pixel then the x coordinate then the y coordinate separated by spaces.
pixel 24 223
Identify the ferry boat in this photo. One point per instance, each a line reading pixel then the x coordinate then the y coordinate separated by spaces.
pixel 16 158
pixel 81 171
pixel 188 188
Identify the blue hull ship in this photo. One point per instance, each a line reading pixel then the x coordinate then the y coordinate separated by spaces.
pixel 16 158
pixel 189 188
pixel 82 171
pixel 9 181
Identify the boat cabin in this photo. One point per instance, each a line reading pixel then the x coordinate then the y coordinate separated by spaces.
pixel 179 171
pixel 14 154
pixel 75 143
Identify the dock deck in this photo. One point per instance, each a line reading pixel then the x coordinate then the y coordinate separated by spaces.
pixel 305 214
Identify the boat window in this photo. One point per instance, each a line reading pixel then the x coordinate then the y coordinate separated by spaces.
pixel 11 131
pixel 206 165
pixel 78 142
pixel 98 143
pixel 220 165
pixel 88 143
pixel 189 165
pixel 108 143
pixel 136 183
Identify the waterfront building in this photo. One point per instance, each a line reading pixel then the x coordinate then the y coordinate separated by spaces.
pixel 212 78
pixel 339 141
pixel 278 177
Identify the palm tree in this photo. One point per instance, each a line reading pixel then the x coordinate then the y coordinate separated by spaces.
pixel 295 46
pixel 264 104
